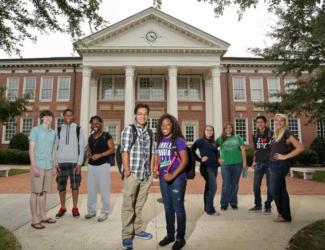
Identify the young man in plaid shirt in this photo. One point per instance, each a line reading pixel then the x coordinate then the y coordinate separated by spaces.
pixel 137 164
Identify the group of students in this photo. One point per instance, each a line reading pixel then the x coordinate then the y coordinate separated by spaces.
pixel 164 157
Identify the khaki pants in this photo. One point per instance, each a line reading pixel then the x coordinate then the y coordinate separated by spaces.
pixel 134 197
pixel 42 183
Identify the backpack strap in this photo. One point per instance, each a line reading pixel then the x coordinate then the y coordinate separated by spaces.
pixel 58 132
pixel 134 134
pixel 78 138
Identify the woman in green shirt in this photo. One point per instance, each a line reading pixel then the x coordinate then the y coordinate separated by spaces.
pixel 232 161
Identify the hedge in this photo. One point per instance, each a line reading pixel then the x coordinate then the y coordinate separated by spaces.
pixel 307 157
pixel 14 156
pixel 19 141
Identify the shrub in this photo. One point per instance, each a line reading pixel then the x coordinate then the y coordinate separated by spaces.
pixel 318 145
pixel 249 155
pixel 307 157
pixel 19 141
pixel 14 156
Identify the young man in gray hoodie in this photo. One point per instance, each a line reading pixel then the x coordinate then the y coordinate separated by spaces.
pixel 69 158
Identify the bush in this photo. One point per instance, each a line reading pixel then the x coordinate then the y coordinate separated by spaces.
pixel 318 145
pixel 307 157
pixel 14 156
pixel 249 155
pixel 19 141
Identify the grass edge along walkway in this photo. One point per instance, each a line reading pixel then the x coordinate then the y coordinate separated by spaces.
pixel 8 241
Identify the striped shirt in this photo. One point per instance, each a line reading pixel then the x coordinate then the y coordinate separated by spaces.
pixel 139 153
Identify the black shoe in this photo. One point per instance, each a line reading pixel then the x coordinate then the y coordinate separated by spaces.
pixel 224 208
pixel 179 244
pixel 267 210
pixel 165 241
pixel 255 209
pixel 234 207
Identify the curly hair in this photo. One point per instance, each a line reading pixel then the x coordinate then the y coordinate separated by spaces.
pixel 176 130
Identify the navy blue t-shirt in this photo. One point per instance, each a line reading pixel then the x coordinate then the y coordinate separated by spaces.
pixel 208 149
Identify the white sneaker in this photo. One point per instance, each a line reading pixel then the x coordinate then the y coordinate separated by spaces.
pixel 102 217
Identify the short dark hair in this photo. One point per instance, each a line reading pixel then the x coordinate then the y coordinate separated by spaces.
pixel 45 113
pixel 261 117
pixel 141 105
pixel 96 117
pixel 67 110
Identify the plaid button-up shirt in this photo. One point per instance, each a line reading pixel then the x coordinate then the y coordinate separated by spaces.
pixel 139 153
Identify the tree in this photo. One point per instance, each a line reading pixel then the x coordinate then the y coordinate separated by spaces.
pixel 19 18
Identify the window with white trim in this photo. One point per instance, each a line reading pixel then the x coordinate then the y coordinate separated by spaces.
pixel 256 85
pixel 190 131
pixel 112 88
pixel 58 121
pixel 253 125
pixel 112 129
pixel 272 124
pixel 273 85
pixel 151 88
pixel 63 93
pixel 289 84
pixel 27 125
pixel 30 86
pixel 189 88
pixel 294 127
pixel 241 128
pixel 239 88
pixel 152 124
pixel 12 88
pixel 46 88
pixel 319 130
pixel 9 129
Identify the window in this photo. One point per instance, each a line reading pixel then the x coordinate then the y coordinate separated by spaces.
pixel 256 85
pixel 112 88
pixel 273 88
pixel 27 125
pixel 29 87
pixel 58 121
pixel 63 93
pixel 272 124
pixel 239 88
pixel 189 88
pixel 241 128
pixel 46 88
pixel 151 88
pixel 152 124
pixel 112 130
pixel 294 127
pixel 289 84
pixel 254 125
pixel 9 130
pixel 12 88
pixel 190 131
pixel 319 130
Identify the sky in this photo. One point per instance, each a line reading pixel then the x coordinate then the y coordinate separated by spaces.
pixel 251 31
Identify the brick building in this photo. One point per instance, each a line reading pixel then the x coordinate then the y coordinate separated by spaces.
pixel 154 58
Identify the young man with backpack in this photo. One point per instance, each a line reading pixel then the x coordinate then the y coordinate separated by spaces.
pixel 69 158
pixel 137 164
pixel 262 139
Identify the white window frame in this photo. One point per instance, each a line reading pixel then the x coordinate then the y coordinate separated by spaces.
pixel 4 132
pixel 25 85
pixel 56 121
pixel 58 88
pixel 41 89
pixel 118 129
pixel 246 140
pixel 261 85
pixel 318 128
pixel 114 99
pixel 154 130
pixel 7 90
pixel 188 77
pixel 253 126
pixel 298 126
pixel 273 98
pixel 195 124
pixel 152 77
pixel 22 124
pixel 287 80
pixel 233 88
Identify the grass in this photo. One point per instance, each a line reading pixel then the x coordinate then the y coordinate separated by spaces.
pixel 319 176
pixel 17 171
pixel 8 241
pixel 310 237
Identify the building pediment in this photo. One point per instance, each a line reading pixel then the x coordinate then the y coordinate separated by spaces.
pixel 151 31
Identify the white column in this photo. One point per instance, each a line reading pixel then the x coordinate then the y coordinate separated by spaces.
pixel 85 100
pixel 208 101
pixel 217 103
pixel 93 97
pixel 129 96
pixel 172 103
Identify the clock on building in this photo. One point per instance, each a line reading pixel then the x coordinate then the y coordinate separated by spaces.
pixel 151 36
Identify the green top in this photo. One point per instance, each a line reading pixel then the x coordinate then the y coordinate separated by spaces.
pixel 230 149
pixel 44 139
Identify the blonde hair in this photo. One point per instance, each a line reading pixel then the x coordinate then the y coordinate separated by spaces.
pixel 279 132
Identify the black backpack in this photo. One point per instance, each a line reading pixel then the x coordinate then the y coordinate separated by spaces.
pixel 190 167
pixel 118 154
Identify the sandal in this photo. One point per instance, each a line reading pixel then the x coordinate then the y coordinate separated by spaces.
pixel 49 221
pixel 38 225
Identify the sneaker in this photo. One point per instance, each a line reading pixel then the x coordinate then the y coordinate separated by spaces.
pixel 224 208
pixel 90 215
pixel 102 217
pixel 179 244
pixel 267 210
pixel 127 244
pixel 75 212
pixel 165 241
pixel 144 235
pixel 60 213
pixel 255 209
pixel 234 207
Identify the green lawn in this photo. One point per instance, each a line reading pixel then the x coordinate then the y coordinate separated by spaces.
pixel 319 176
pixel 15 171
pixel 8 241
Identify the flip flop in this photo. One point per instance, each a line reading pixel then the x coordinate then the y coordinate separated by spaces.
pixel 49 221
pixel 38 225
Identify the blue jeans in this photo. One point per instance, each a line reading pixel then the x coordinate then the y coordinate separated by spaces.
pixel 209 174
pixel 173 198
pixel 279 171
pixel 230 180
pixel 261 169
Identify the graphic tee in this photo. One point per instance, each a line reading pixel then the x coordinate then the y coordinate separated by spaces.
pixel 230 149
